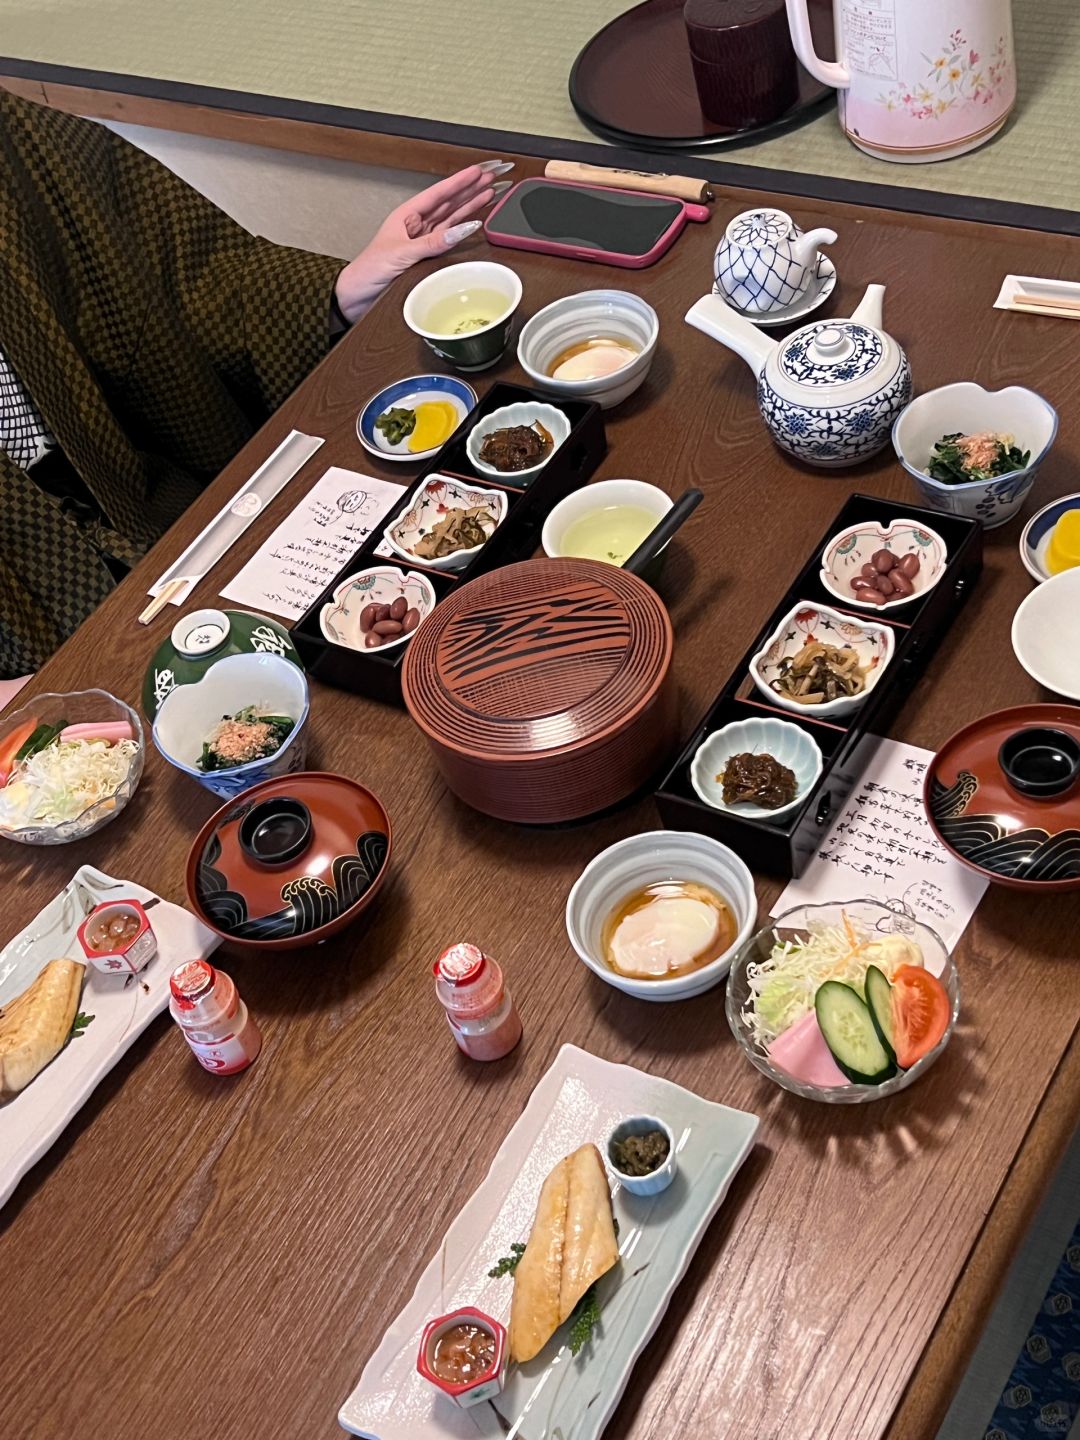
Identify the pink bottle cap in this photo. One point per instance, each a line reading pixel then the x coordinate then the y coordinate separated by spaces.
pixel 190 982
pixel 460 964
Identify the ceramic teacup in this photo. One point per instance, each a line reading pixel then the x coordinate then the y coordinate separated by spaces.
pixel 474 349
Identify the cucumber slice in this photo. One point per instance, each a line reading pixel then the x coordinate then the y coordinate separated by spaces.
pixel 846 1024
pixel 879 999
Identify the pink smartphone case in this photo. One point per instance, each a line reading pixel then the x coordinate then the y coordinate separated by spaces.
pixel 580 252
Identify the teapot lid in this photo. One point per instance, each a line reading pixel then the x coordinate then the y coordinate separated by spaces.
pixel 757 228
pixel 832 352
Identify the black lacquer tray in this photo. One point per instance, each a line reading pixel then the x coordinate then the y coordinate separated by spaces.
pixel 784 846
pixel 377 673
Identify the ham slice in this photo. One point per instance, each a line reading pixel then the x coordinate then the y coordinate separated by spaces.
pixel 802 1052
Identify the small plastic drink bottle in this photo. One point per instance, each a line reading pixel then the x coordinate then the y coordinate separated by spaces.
pixel 215 1021
pixel 482 1015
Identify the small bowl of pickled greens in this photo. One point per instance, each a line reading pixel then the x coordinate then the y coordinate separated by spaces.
pixel 641 1155
pixel 975 452
pixel 69 763
pixel 413 418
pixel 242 723
pixel 845 1002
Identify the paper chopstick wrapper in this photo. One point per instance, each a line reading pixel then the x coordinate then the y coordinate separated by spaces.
pixel 1031 295
pixel 230 522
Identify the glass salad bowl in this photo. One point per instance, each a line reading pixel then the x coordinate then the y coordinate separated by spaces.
pixel 106 784
pixel 868 921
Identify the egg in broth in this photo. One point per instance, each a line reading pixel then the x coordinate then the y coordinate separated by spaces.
pixel 592 359
pixel 669 928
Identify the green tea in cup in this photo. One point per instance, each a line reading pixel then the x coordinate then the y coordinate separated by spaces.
pixel 465 312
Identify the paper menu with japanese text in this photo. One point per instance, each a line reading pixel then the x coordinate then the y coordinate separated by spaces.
pixel 288 573
pixel 880 847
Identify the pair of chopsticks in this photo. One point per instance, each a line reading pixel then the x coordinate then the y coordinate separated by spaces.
pixel 161 599
pixel 1059 305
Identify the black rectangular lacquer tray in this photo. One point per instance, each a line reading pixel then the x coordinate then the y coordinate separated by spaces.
pixel 377 673
pixel 783 847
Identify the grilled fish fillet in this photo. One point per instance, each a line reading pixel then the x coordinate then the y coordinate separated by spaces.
pixel 571 1245
pixel 35 1025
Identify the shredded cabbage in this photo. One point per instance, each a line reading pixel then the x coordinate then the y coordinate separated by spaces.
pixel 64 779
pixel 782 988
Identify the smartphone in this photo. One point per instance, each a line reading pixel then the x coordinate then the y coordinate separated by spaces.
pixel 588 222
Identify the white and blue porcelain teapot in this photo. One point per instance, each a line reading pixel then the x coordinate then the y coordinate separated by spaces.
pixel 830 392
pixel 765 262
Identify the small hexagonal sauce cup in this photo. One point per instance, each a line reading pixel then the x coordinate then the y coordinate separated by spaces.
pixel 128 955
pixel 484 1386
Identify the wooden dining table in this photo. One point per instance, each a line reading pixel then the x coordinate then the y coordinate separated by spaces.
pixel 198 1256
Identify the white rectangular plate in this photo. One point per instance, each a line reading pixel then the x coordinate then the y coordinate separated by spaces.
pixel 555 1396
pixel 122 1007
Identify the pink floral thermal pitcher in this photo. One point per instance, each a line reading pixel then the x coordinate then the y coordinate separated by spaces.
pixel 917 80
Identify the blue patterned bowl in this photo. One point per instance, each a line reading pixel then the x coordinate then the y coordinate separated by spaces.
pixel 1037 532
pixel 969 409
pixel 407 395
pixel 270 682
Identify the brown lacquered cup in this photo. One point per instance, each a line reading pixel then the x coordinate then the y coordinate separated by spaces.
pixel 743 60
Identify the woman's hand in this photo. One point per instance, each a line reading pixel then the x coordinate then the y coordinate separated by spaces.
pixel 429 224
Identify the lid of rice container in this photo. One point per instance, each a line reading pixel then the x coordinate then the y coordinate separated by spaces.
pixel 534 659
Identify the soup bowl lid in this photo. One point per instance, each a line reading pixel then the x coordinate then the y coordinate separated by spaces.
pixel 293 856
pixel 1023 840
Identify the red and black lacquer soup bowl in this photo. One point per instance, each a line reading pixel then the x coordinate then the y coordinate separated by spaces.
pixel 290 862
pixel 1003 794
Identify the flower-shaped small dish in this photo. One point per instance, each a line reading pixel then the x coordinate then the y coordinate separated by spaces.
pixel 36 809
pixel 806 624
pixel 1024 835
pixel 439 497
pixel 342 619
pixel 117 936
pixel 656 1180
pixel 529 415
pixel 879 921
pixel 263 684
pixel 407 395
pixel 845 555
pixel 788 744
pixel 457 1327
pixel 1039 536
pixel 967 409
pixel 1046 634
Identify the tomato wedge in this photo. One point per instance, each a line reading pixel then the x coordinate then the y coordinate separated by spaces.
pixel 12 744
pixel 920 1013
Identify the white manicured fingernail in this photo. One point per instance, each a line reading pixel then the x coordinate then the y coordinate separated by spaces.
pixel 497 167
pixel 457 233
pixel 502 187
